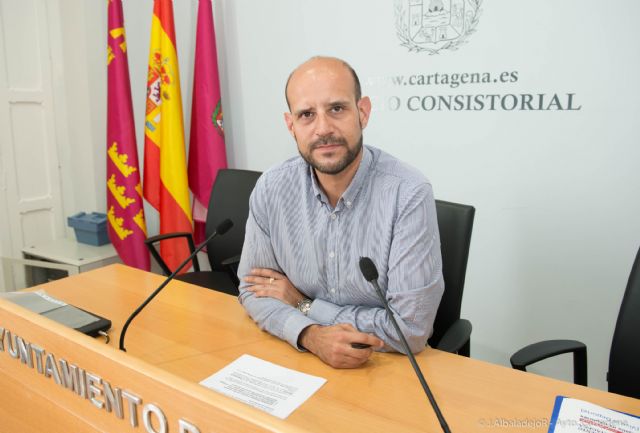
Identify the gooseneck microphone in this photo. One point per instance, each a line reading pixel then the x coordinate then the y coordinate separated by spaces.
pixel 222 228
pixel 370 274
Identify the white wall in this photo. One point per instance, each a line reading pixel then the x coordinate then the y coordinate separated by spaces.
pixel 82 98
pixel 557 192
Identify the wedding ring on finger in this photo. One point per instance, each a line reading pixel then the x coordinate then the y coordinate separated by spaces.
pixel 271 280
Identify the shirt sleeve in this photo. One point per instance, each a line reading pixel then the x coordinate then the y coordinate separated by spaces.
pixel 415 282
pixel 271 315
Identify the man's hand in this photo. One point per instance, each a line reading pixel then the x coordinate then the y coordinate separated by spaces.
pixel 269 283
pixel 332 344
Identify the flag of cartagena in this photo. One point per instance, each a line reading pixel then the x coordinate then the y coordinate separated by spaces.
pixel 127 229
pixel 207 153
pixel 165 165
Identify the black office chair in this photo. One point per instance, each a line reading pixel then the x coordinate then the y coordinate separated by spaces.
pixel 229 199
pixel 450 332
pixel 624 374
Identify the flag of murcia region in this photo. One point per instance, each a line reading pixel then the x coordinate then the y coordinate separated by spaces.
pixel 126 223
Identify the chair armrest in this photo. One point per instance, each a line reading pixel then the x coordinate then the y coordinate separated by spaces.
pixel 158 238
pixel 546 349
pixel 149 242
pixel 231 261
pixel 457 337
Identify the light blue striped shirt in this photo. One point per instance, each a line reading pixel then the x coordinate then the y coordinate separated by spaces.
pixel 387 213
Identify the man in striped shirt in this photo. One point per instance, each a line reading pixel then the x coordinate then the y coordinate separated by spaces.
pixel 312 217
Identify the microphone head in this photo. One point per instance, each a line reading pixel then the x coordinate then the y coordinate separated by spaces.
pixel 368 269
pixel 224 226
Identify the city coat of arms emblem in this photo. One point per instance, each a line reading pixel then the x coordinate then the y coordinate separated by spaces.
pixel 434 25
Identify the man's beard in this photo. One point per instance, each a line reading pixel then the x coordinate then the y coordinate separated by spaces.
pixel 338 166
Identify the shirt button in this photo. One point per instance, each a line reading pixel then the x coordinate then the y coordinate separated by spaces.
pixel 332 254
pixel 348 204
pixel 333 290
pixel 333 216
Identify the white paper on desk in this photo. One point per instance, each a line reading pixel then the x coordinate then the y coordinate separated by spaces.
pixel 263 385
pixel 576 416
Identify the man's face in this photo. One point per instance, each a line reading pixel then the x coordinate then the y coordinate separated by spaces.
pixel 325 119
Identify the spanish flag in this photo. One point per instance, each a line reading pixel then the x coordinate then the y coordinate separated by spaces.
pixel 165 169
pixel 127 229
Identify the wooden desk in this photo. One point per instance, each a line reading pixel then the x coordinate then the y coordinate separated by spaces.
pixel 188 332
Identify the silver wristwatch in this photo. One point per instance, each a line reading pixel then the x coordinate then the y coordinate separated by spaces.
pixel 304 306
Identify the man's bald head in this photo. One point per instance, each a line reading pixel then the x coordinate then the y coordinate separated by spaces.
pixel 327 61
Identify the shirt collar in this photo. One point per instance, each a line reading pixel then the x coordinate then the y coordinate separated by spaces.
pixel 351 193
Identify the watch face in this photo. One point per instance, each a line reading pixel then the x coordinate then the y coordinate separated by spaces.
pixel 304 306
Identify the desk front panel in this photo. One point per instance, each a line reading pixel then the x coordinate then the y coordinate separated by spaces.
pixel 192 332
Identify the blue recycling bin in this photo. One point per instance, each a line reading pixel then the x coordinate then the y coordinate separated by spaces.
pixel 90 228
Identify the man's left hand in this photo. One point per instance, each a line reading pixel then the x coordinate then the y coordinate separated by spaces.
pixel 272 284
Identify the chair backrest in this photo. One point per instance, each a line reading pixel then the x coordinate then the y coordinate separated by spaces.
pixel 624 357
pixel 455 222
pixel 229 199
